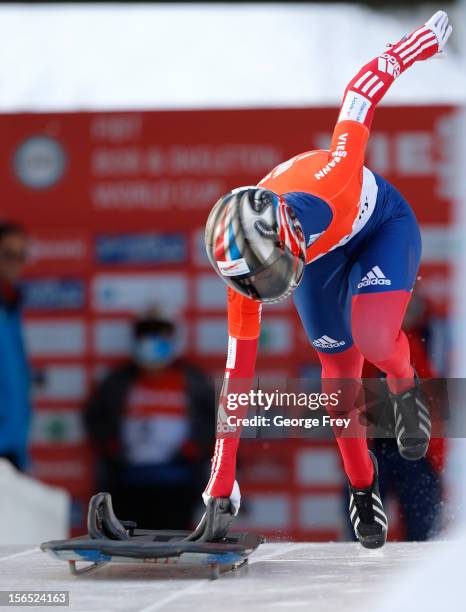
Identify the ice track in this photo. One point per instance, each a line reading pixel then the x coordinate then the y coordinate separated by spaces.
pixel 292 576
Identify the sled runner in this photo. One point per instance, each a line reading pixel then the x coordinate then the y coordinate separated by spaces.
pixel 111 540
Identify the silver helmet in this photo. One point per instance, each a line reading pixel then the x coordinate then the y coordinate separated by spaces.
pixel 256 244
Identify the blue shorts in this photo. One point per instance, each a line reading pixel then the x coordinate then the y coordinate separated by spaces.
pixel 383 256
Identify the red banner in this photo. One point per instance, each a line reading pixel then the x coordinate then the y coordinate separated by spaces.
pixel 116 203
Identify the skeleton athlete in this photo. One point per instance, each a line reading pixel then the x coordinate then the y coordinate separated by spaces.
pixel 347 245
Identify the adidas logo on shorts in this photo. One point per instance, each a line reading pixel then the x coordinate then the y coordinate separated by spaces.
pixel 327 342
pixel 374 277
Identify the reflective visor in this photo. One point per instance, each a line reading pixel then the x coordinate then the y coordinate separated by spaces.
pixel 274 282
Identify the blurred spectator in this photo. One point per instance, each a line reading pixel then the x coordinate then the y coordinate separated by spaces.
pixel 15 407
pixel 152 424
pixel 416 485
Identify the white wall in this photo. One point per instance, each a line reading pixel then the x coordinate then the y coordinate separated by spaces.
pixel 187 56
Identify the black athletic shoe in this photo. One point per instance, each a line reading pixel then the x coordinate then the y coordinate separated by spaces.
pixel 366 513
pixel 412 422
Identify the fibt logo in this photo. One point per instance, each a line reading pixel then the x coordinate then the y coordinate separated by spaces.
pixel 374 277
pixel 40 162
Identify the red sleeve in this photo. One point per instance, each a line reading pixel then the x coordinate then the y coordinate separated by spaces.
pixel 243 334
pixel 243 316
pixel 239 375
pixel 374 79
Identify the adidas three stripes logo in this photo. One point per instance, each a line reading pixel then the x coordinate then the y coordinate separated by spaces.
pixel 375 276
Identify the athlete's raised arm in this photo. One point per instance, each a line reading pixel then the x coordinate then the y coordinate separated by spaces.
pixel 365 90
pixel 337 177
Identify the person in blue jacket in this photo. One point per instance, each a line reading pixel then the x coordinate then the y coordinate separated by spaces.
pixel 15 405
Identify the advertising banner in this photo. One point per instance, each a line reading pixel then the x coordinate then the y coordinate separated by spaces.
pixel 115 205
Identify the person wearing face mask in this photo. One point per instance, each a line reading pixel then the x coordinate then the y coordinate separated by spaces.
pixel 15 405
pixel 151 422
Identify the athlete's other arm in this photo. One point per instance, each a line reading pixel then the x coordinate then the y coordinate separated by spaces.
pixel 243 335
pixel 339 181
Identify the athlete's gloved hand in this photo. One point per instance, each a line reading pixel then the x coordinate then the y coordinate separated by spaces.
pixel 219 514
pixel 235 498
pixel 427 41
pixel 440 26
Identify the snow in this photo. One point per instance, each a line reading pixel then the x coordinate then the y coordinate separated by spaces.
pixel 437 581
pixel 190 56
pixel 330 577
pixel 30 509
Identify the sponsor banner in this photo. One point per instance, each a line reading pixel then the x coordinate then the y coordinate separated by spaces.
pixel 324 511
pixel 211 293
pixel 62 471
pixel 198 249
pixel 136 171
pixel 141 249
pixel 276 336
pixel 211 337
pixel 415 154
pixel 53 294
pixel 265 511
pixel 181 160
pixel 57 426
pixel 440 244
pixel 61 383
pixel 64 338
pixel 59 250
pixel 156 196
pixel 70 466
pixel 112 338
pixel 137 292
pixel 280 306
pixel 435 281
pixel 270 469
pixel 318 467
pixel 129 191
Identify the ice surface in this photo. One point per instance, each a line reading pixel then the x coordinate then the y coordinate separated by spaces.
pixel 286 576
pixel 436 583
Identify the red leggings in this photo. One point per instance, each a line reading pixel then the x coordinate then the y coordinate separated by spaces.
pixel 377 335
pixel 376 323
